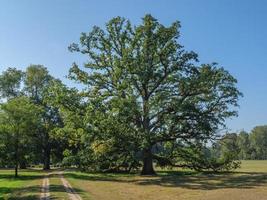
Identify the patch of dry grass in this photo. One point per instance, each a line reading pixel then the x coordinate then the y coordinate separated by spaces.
pixel 249 183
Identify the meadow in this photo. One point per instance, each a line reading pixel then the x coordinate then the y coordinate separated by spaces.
pixel 249 182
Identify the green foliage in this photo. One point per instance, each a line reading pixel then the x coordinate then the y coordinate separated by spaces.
pixel 34 84
pixel 243 143
pixel 19 121
pixel 141 78
pixel 37 80
pixel 37 84
pixel 10 83
pixel 112 142
pixel 144 99
pixel 72 113
pixel 220 156
pixel 244 146
pixel 258 139
pixel 225 152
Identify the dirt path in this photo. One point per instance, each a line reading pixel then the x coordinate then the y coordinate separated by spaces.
pixel 45 195
pixel 72 194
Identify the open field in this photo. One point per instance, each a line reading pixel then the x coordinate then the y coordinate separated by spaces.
pixel 249 182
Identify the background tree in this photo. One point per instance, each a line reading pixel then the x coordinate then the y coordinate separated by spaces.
pixel 144 79
pixel 19 120
pixel 258 140
pixel 244 146
pixel 37 82
pixel 11 87
pixel 229 148
pixel 10 83
pixel 243 143
pixel 72 113
pixel 34 83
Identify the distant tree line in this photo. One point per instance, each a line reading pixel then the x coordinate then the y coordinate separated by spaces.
pixel 248 146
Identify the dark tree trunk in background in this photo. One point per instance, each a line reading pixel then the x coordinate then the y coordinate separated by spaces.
pixel 16 155
pixel 16 162
pixel 16 170
pixel 23 164
pixel 147 163
pixel 46 162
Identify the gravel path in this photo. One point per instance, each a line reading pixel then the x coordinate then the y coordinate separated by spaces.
pixel 72 194
pixel 45 195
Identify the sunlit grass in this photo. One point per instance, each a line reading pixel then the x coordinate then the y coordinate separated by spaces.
pixel 57 190
pixel 27 186
pixel 249 182
pixel 253 166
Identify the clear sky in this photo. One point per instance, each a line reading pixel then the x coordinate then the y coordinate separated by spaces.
pixel 230 32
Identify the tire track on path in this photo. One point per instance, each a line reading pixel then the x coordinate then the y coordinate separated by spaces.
pixel 45 195
pixel 72 194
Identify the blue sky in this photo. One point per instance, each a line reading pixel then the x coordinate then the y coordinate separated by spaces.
pixel 232 33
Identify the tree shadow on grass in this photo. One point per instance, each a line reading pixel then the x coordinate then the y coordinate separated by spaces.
pixel 8 192
pixel 62 189
pixel 21 193
pixel 22 175
pixel 188 180
pixel 28 197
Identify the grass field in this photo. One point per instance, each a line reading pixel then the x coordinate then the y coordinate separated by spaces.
pixel 249 183
pixel 26 187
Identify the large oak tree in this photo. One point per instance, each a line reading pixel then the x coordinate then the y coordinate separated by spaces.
pixel 146 80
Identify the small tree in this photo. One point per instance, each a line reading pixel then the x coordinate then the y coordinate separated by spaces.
pixel 19 120
pixel 34 83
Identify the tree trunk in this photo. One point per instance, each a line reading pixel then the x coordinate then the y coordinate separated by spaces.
pixel 147 163
pixel 16 170
pixel 22 164
pixel 16 154
pixel 47 151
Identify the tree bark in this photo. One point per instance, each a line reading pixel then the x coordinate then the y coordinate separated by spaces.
pixel 148 168
pixel 16 161
pixel 23 164
pixel 16 154
pixel 16 170
pixel 47 152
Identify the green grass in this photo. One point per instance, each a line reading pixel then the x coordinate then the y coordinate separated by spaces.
pixel 57 190
pixel 249 182
pixel 26 187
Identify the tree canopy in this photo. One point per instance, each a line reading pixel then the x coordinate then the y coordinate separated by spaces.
pixel 145 101
pixel 142 79
pixel 19 120
pixel 34 84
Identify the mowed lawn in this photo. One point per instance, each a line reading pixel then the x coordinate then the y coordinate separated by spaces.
pixel 26 187
pixel 247 183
